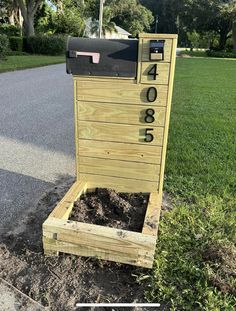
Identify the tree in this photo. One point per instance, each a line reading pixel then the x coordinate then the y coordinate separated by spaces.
pixel 131 15
pixel 202 16
pixel 44 19
pixel 28 10
pixel 69 18
pixel 215 15
pixel 108 26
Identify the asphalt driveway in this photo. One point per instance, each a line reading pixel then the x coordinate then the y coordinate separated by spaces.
pixel 36 137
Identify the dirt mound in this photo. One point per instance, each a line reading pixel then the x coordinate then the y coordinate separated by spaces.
pixel 108 208
pixel 221 259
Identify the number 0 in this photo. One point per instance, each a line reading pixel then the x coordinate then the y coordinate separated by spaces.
pixel 152 94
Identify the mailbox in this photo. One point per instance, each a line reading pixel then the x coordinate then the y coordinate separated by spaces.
pixel 122 99
pixel 101 57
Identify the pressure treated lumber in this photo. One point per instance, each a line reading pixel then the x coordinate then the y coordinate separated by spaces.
pixel 163 71
pixel 119 151
pixel 117 92
pixel 61 235
pixel 64 207
pixel 118 183
pixel 123 113
pixel 133 170
pixel 112 132
pixel 153 214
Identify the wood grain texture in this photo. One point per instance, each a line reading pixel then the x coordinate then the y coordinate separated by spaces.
pixel 163 70
pixel 120 151
pixel 98 241
pixel 167 121
pixel 119 92
pixel 126 114
pixel 119 184
pixel 119 133
pixel 76 129
pixel 115 168
pixel 158 36
pixel 65 206
pixel 146 50
pixel 152 216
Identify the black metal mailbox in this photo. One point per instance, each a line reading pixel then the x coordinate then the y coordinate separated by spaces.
pixel 102 57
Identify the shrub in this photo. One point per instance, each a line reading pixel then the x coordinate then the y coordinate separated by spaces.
pixel 69 23
pixel 221 54
pixel 17 53
pixel 47 45
pixel 9 30
pixel 4 46
pixel 16 43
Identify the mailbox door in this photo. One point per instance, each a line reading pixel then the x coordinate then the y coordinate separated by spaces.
pixel 102 57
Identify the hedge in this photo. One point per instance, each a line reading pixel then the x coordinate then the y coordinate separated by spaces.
pixel 221 54
pixel 47 45
pixel 16 43
pixel 9 30
pixel 4 46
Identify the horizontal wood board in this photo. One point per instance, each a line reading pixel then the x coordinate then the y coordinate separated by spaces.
pixel 163 71
pixel 119 151
pixel 118 183
pixel 118 92
pixel 115 168
pixel 132 134
pixel 122 113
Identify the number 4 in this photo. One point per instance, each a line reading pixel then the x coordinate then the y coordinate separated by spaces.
pixel 153 72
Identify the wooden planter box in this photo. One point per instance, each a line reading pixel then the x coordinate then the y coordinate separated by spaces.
pixel 72 237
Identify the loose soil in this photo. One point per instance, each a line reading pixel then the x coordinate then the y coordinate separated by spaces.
pixel 61 282
pixel 108 208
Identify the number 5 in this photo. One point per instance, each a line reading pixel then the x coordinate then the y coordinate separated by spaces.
pixel 149 137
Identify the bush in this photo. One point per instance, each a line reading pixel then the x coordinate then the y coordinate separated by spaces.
pixel 221 54
pixel 46 45
pixel 4 46
pixel 16 43
pixel 17 53
pixel 9 30
pixel 69 23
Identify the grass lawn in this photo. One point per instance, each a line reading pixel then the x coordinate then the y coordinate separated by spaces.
pixel 29 61
pixel 195 53
pixel 195 265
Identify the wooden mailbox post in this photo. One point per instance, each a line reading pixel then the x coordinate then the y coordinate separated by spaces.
pixel 121 131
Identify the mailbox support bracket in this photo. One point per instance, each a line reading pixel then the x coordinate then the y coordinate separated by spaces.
pixel 67 236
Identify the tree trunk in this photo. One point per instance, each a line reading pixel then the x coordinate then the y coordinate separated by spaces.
pixel 28 11
pixel 234 35
pixel 29 26
pixel 223 39
pixel 11 18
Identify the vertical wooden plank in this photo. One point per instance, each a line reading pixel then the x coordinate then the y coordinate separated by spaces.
pixel 152 216
pixel 169 100
pixel 76 129
pixel 140 47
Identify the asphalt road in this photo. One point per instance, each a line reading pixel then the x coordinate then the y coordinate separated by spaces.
pixel 36 137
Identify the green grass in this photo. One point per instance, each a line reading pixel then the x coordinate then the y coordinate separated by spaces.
pixel 18 62
pixel 195 263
